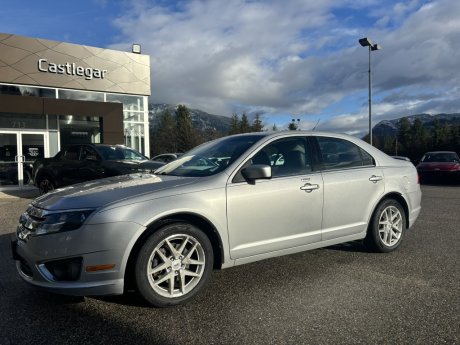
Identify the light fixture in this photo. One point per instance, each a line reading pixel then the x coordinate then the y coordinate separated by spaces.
pixel 136 49
pixel 367 42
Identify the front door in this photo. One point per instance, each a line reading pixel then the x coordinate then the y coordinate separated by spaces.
pixel 18 151
pixel 281 213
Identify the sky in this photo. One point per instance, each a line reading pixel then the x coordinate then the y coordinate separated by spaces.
pixel 286 59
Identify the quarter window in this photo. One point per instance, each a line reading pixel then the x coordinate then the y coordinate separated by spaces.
pixel 342 154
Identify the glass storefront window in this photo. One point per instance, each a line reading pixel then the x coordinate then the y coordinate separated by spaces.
pixel 52 122
pixel 53 143
pixel 81 95
pixel 79 129
pixel 135 103
pixel 22 121
pixel 27 91
pixel 134 136
pixel 133 116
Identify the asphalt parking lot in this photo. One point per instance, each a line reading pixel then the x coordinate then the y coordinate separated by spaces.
pixel 336 295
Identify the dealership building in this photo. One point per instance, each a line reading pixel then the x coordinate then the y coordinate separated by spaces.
pixel 53 94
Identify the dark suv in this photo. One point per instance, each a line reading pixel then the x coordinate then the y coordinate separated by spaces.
pixel 84 162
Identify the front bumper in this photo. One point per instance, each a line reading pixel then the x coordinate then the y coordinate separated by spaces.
pixel 92 245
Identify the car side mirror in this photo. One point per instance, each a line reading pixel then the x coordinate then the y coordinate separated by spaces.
pixel 257 172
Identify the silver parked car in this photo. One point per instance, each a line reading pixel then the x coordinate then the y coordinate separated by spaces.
pixel 228 202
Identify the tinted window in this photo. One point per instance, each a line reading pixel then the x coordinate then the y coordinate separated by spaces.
pixel 89 153
pixel 287 156
pixel 440 157
pixel 164 158
pixel 342 154
pixel 71 153
pixel 119 153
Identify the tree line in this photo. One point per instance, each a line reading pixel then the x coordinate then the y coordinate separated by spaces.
pixel 175 131
pixel 413 140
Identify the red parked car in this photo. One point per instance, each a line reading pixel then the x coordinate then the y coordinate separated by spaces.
pixel 439 164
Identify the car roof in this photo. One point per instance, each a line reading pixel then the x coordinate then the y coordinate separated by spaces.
pixel 97 145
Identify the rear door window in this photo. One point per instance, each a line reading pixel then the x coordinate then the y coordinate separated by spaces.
pixel 342 154
pixel 72 153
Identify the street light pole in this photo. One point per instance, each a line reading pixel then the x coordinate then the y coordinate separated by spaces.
pixel 370 98
pixel 367 42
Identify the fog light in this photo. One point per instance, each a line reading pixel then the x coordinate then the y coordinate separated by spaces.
pixel 65 270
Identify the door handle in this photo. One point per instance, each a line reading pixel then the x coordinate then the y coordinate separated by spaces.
pixel 20 158
pixel 308 187
pixel 375 179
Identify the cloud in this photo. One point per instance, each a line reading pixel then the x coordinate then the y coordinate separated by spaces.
pixel 298 56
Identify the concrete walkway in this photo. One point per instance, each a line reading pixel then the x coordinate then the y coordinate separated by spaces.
pixel 19 194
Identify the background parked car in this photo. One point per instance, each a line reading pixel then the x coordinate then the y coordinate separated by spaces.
pixel 439 164
pixel 167 157
pixel 79 163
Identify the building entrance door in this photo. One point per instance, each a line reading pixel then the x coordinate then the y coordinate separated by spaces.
pixel 18 151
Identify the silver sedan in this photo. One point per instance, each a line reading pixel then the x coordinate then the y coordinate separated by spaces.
pixel 228 202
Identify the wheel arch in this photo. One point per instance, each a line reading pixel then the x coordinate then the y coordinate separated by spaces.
pixel 194 219
pixel 400 199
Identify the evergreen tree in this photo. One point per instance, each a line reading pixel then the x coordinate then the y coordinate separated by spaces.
pixel 245 127
pixel 404 136
pixel 292 126
pixel 235 124
pixel 187 137
pixel 274 128
pixel 257 125
pixel 163 138
pixel 419 138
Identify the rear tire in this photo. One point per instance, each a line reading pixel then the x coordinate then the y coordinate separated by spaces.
pixel 173 265
pixel 387 227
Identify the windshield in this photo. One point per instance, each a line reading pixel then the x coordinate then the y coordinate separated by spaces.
pixel 119 153
pixel 440 157
pixel 209 158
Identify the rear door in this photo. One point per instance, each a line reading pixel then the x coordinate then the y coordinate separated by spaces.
pixel 352 186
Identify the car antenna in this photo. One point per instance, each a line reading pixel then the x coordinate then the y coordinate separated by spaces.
pixel 314 127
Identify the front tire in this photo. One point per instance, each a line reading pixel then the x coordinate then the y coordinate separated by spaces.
pixel 173 265
pixel 45 185
pixel 387 227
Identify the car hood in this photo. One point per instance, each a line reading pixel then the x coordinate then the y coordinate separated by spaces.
pixel 438 166
pixel 97 193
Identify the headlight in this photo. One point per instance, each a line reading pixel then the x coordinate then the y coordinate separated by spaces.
pixel 40 222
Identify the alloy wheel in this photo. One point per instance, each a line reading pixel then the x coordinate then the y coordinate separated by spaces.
pixel 390 226
pixel 176 265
